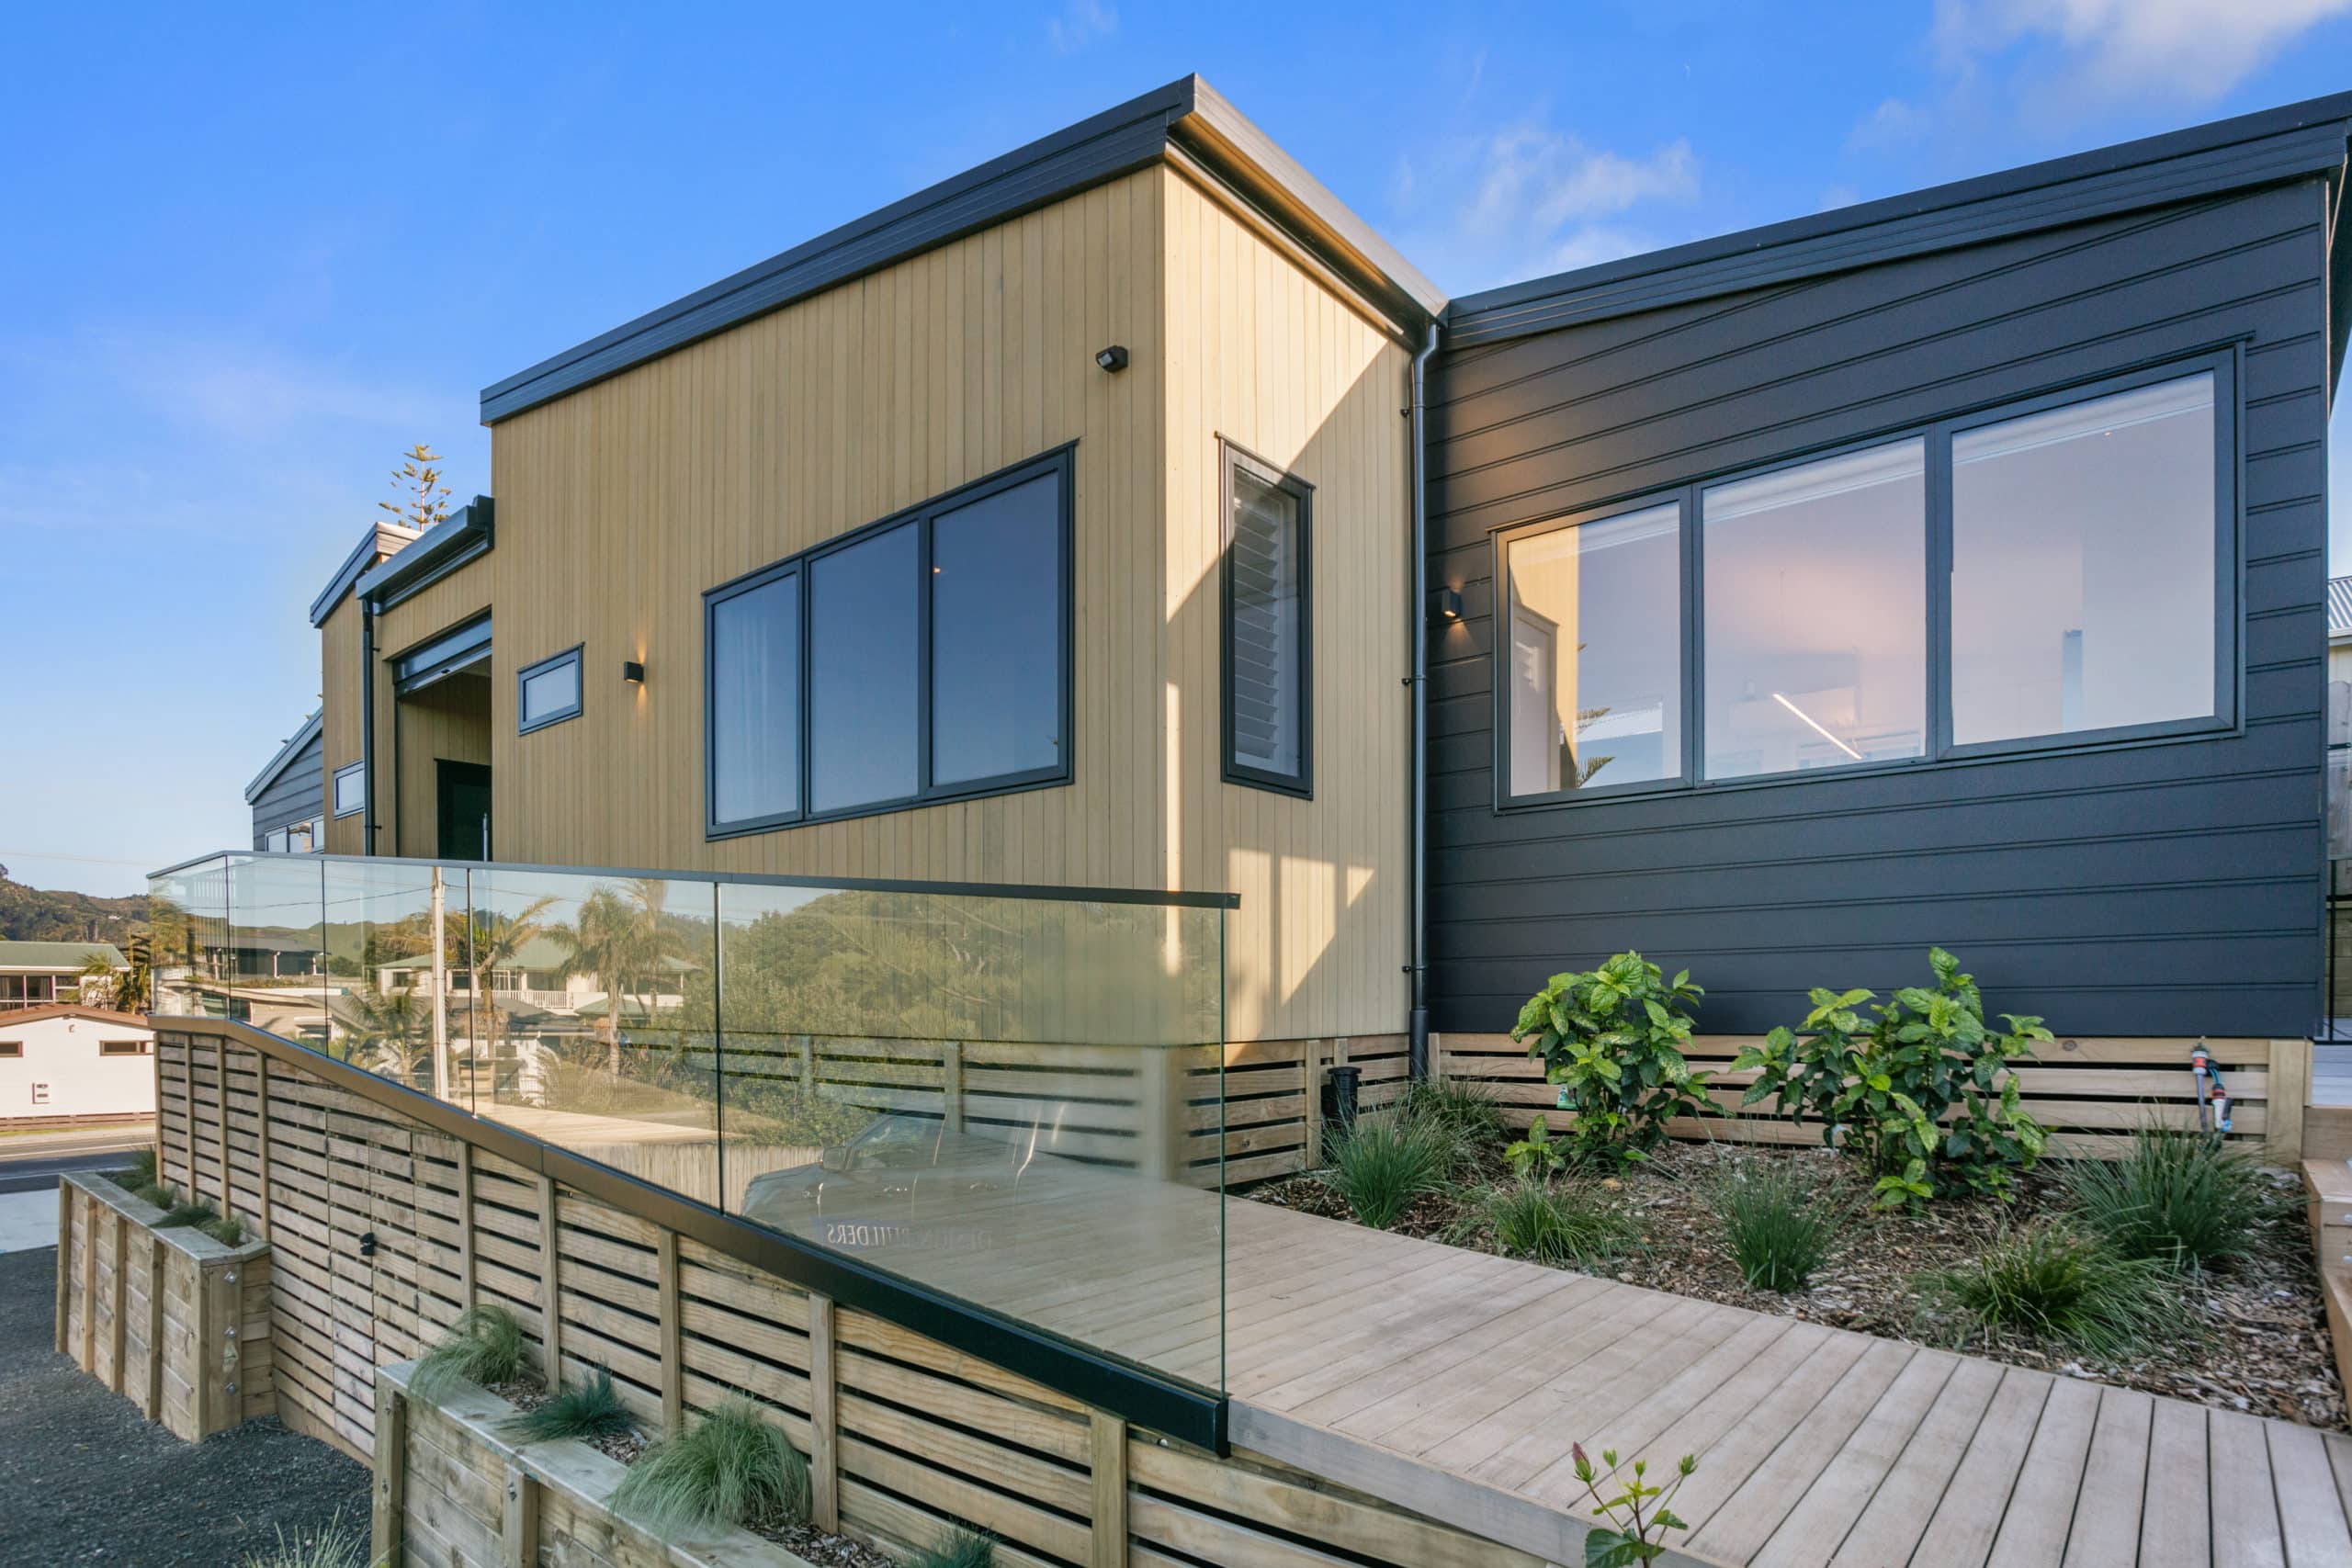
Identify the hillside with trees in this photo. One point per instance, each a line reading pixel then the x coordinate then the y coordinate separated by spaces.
pixel 34 914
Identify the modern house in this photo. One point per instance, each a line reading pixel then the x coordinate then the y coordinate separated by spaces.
pixel 38 974
pixel 63 1062
pixel 287 795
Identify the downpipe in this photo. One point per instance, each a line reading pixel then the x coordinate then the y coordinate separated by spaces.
pixel 1416 1020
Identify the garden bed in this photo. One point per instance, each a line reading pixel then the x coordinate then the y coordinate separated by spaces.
pixel 2252 1333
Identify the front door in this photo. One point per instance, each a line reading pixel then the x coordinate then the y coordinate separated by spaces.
pixel 462 809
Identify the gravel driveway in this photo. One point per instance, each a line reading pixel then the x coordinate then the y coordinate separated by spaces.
pixel 87 1480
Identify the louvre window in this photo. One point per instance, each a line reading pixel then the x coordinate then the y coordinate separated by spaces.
pixel 1267 734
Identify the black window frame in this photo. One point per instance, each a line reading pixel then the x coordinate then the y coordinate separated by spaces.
pixel 335 789
pixel 1234 458
pixel 2222 362
pixel 572 656
pixel 1058 461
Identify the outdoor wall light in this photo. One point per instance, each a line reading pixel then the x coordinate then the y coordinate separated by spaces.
pixel 1446 603
pixel 1113 359
pixel 633 671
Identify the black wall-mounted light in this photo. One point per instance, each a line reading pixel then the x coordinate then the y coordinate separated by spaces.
pixel 633 671
pixel 1445 604
pixel 1113 359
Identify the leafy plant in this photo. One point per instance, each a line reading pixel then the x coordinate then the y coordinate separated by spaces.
pixel 1611 1039
pixel 483 1346
pixel 1776 1223
pixel 1384 1162
pixel 1554 1225
pixel 731 1468
pixel 2054 1281
pixel 590 1408
pixel 961 1550
pixel 1918 1089
pixel 1637 1513
pixel 1536 1156
pixel 331 1546
pixel 2180 1198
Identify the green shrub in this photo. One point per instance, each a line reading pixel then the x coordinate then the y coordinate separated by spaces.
pixel 2063 1286
pixel 590 1408
pixel 1386 1161
pixel 1612 1040
pixel 137 1175
pixel 1466 1111
pixel 731 1468
pixel 328 1547
pixel 2180 1198
pixel 483 1346
pixel 1917 1090
pixel 196 1212
pixel 1556 1225
pixel 1779 1226
pixel 156 1194
pixel 226 1229
pixel 1635 1513
pixel 961 1550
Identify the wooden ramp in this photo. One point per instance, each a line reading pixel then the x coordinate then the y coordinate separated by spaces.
pixel 1453 1384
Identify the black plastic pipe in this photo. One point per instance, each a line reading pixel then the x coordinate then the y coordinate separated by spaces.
pixel 1416 1021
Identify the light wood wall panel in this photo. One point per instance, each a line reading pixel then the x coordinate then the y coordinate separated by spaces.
pixel 340 667
pixel 438 722
pixel 449 720
pixel 1276 361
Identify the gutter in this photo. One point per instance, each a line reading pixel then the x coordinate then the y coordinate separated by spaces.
pixel 1416 1020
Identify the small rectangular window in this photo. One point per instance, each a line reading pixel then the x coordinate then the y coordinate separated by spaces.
pixel 1595 659
pixel 302 838
pixel 547 693
pixel 12 1049
pixel 754 703
pixel 1266 625
pixel 2084 569
pixel 864 696
pixel 1813 639
pixel 276 844
pixel 350 788
pixel 122 1047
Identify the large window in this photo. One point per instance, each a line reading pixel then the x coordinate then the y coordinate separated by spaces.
pixel 1593 667
pixel 548 692
pixel 2082 566
pixel 1266 632
pixel 2058 571
pixel 923 658
pixel 350 788
pixel 1814 634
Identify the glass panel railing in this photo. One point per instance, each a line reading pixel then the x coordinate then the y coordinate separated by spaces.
pixel 1013 1098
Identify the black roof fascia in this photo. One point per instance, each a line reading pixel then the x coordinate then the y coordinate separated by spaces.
pixel 1111 143
pixel 286 755
pixel 355 565
pixel 463 535
pixel 2294 141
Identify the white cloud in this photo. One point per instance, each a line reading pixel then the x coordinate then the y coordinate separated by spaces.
pixel 1531 198
pixel 2109 50
pixel 1080 23
pixel 1892 124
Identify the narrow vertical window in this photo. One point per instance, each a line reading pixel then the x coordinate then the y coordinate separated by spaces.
pixel 1268 737
pixel 1813 618
pixel 754 718
pixel 864 673
pixel 1594 666
pixel 996 637
pixel 350 788
pixel 2083 567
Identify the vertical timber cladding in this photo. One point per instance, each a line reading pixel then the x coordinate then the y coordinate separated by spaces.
pixel 2153 890
pixel 340 673
pixel 621 502
pixel 911 1438
pixel 444 720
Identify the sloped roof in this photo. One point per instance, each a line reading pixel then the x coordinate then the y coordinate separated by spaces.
pixel 286 755
pixel 2339 608
pixel 58 955
pixel 72 1009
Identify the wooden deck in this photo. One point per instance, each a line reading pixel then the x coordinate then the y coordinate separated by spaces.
pixel 1455 1383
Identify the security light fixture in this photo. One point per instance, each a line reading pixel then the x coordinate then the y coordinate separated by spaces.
pixel 1113 359
pixel 1446 603
pixel 633 671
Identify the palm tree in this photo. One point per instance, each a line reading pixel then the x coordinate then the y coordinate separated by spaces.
pixel 496 942
pixel 99 981
pixel 616 938
pixel 385 1039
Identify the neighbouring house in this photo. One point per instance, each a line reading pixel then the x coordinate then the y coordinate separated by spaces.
pixel 287 795
pixel 63 1062
pixel 1124 513
pixel 38 974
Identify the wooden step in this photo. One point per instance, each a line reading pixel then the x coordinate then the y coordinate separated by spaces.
pixel 2327 1133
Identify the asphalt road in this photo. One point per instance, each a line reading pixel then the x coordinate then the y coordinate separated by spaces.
pixel 37 1169
pixel 86 1480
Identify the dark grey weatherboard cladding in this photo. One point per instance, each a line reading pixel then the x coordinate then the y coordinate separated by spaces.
pixel 289 789
pixel 2163 889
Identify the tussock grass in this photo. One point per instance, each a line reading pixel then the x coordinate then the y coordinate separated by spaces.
pixel 226 1229
pixel 2178 1198
pixel 590 1408
pixel 325 1548
pixel 484 1345
pixel 1386 1161
pixel 1778 1222
pixel 963 1549
pixel 731 1468
pixel 196 1212
pixel 1466 1114
pixel 1556 1225
pixel 137 1175
pixel 2062 1285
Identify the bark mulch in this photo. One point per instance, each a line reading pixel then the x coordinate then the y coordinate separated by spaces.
pixel 2254 1335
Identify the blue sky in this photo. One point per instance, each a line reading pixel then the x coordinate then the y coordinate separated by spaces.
pixel 251 257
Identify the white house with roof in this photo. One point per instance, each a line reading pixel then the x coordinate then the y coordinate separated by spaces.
pixel 63 1062
pixel 36 974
